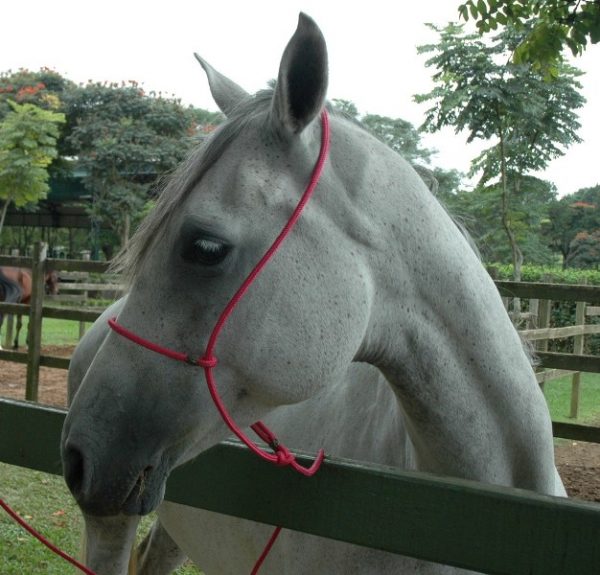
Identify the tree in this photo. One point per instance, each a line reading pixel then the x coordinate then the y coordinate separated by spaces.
pixel 478 210
pixel 43 89
pixel 530 121
pixel 549 25
pixel 124 140
pixel 584 250
pixel 400 135
pixel 574 215
pixel 28 137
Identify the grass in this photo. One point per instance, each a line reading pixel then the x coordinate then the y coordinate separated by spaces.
pixel 45 502
pixel 54 332
pixel 558 396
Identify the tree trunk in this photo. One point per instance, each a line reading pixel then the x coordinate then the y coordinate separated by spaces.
pixel 517 254
pixel 126 230
pixel 3 214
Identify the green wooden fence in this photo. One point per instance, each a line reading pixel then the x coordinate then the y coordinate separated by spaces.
pixel 485 528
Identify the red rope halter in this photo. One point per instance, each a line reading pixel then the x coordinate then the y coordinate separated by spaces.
pixel 281 456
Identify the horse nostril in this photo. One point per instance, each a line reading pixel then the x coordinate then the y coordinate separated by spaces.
pixel 74 469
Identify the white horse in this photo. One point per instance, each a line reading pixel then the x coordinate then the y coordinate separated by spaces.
pixel 375 333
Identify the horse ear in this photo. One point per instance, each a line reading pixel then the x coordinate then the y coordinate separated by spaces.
pixel 302 80
pixel 227 93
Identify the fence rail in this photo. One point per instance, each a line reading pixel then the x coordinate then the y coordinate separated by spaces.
pixel 39 264
pixel 485 528
pixel 57 264
pixel 558 292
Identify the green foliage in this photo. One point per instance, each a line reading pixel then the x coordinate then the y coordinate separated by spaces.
pixel 125 139
pixel 585 250
pixel 549 25
pixel 28 137
pixel 478 211
pixel 573 227
pixel 478 89
pixel 547 274
pixel 529 121
pixel 400 135
pixel 43 89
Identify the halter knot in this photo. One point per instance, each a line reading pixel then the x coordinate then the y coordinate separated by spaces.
pixel 284 456
pixel 209 361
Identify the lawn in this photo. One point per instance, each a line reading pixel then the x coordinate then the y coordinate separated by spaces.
pixel 45 502
pixel 558 396
pixel 54 332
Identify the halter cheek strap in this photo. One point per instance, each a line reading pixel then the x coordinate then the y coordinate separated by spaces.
pixel 282 455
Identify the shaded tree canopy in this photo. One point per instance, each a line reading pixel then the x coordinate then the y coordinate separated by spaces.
pixel 124 140
pixel 530 206
pixel 573 220
pixel 548 26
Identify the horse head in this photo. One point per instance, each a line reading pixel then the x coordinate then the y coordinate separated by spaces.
pixel 138 414
pixel 374 271
pixel 51 282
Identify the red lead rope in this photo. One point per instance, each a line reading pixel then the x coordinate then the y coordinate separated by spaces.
pixel 43 540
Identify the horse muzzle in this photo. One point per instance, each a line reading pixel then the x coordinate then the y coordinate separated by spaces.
pixel 114 487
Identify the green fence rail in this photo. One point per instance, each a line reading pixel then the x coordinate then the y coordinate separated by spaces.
pixel 485 528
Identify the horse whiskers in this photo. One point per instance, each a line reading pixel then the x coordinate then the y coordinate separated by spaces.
pixel 140 484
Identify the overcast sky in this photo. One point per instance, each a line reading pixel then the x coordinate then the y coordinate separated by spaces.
pixel 372 56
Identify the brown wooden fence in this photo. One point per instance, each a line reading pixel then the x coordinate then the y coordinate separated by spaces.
pixel 558 365
pixel 541 294
pixel 39 263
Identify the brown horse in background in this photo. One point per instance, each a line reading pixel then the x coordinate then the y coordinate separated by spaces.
pixel 15 287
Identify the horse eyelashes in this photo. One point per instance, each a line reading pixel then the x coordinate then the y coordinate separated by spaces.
pixel 208 246
pixel 205 251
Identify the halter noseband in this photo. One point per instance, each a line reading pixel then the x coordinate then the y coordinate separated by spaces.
pixel 282 455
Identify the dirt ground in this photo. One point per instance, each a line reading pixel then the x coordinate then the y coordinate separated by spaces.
pixel 578 462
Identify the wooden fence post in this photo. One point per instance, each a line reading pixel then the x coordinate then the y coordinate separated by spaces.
pixel 544 312
pixel 578 350
pixel 34 333
pixel 10 330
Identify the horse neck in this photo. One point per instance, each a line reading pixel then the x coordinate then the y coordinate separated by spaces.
pixel 357 418
pixel 440 335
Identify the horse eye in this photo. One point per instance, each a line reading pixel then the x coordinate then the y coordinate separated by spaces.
pixel 205 251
